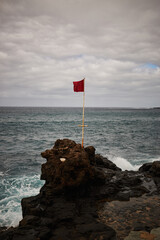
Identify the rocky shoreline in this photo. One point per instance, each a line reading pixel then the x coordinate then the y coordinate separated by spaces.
pixel 87 197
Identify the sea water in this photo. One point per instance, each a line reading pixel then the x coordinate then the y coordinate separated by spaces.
pixel 128 137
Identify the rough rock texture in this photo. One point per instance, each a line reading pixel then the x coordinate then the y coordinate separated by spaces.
pixel 137 214
pixel 72 203
pixel 75 172
pixel 139 235
pixel 152 170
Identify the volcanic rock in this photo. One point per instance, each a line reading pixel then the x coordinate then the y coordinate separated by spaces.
pixel 152 170
pixel 66 207
pixel 78 183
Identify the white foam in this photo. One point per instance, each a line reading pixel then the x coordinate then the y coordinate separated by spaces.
pixel 10 213
pixel 124 164
pixel 14 190
pixel 1 174
pixel 154 159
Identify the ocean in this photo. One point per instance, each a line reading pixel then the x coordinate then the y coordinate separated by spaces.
pixel 128 137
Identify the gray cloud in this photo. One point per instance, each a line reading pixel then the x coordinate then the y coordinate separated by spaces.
pixel 46 45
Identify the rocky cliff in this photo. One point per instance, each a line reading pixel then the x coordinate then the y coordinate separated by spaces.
pixel 72 203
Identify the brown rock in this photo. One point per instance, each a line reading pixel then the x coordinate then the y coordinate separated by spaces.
pixel 155 169
pixel 75 170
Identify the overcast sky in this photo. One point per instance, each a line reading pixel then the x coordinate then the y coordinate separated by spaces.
pixel 45 45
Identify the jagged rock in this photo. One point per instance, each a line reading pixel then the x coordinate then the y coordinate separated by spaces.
pixel 155 169
pixel 74 171
pixel 104 162
pixel 145 167
pixel 77 183
pixel 2 229
pixel 137 214
pixel 152 169
pixel 122 185
pixel 140 235
pixel 65 208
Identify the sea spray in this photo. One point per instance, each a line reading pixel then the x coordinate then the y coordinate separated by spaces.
pixel 14 189
pixel 124 164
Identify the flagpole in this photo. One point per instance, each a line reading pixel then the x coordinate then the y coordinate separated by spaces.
pixel 83 115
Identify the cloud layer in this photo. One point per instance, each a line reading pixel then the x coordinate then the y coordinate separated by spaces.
pixel 46 45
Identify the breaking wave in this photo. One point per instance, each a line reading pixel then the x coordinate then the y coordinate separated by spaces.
pixel 124 164
pixel 14 189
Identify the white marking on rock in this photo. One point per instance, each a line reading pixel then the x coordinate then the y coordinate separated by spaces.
pixel 63 159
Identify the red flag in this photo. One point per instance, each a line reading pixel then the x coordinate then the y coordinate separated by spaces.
pixel 78 86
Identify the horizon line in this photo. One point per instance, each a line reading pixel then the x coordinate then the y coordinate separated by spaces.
pixel 155 107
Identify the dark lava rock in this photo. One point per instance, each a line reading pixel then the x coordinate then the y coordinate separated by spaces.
pixel 66 207
pixel 76 170
pixel 152 170
pixel 77 183
pixel 104 162
pixel 155 169
pixel 145 167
